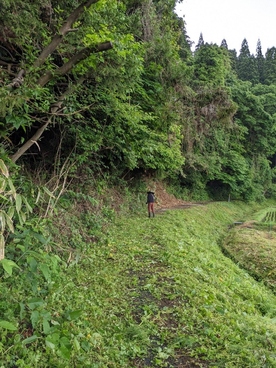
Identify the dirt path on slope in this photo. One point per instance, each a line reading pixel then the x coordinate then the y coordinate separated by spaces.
pixel 166 201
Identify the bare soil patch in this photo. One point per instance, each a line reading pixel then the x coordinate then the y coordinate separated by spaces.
pixel 166 201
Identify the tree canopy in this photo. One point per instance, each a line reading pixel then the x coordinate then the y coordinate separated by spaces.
pixel 115 86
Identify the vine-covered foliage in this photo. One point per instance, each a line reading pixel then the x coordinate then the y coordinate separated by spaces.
pixel 114 86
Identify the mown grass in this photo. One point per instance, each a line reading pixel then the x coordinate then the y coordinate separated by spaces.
pixel 252 244
pixel 220 315
pixel 150 293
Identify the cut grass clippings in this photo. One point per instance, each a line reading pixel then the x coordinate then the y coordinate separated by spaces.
pixel 181 300
pixel 156 293
pixel 252 244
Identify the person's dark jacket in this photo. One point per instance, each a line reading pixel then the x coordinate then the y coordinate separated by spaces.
pixel 150 198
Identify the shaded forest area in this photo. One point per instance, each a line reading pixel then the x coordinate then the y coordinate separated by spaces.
pixel 112 89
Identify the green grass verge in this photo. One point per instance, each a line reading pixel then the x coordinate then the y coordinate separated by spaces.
pixel 252 245
pixel 150 293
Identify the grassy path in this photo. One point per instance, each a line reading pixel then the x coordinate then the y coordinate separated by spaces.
pixel 151 293
pixel 185 304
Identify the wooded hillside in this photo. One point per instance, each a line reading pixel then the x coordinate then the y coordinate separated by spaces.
pixel 100 101
pixel 114 87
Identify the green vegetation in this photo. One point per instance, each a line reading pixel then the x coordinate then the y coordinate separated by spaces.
pixel 146 292
pixel 114 89
pixel 99 99
pixel 252 245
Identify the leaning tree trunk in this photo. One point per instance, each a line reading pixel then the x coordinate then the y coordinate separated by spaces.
pixel 54 110
pixel 81 55
pixel 57 106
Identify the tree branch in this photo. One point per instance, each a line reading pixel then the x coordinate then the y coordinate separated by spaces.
pixel 54 109
pixel 67 26
pixel 81 55
pixel 17 81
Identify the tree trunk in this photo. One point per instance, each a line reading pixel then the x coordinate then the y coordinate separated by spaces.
pixel 54 109
pixel 81 55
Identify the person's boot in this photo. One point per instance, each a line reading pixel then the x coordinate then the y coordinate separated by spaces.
pixel 149 214
pixel 153 214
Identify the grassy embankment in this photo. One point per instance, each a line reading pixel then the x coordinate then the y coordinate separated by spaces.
pixel 151 293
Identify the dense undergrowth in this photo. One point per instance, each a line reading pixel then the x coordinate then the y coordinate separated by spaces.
pixel 99 290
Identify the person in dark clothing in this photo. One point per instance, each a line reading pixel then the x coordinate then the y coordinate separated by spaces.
pixel 150 203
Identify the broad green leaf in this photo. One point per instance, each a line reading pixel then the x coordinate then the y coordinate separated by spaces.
pixel 45 271
pixel 8 265
pixel 33 263
pixel 65 347
pixel 54 338
pixel 9 223
pixel 38 197
pixel 29 339
pixel 50 345
pixel 4 198
pixel 22 310
pixel 35 302
pixel 8 325
pixel 41 238
pixel 65 342
pixel 12 188
pixel 71 316
pixel 76 344
pixel 22 218
pixel 3 184
pixel 10 212
pixel 18 202
pixel 29 208
pixel 46 327
pixel 4 169
pixel 34 318
pixel 46 190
